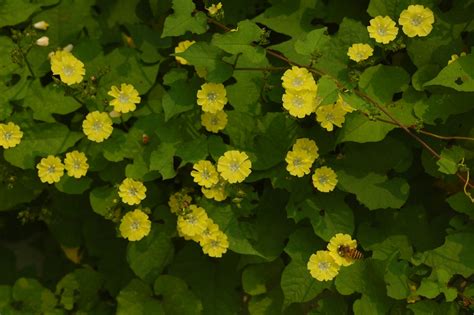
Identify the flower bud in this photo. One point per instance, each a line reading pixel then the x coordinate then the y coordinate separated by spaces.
pixel 43 41
pixel 68 48
pixel 41 25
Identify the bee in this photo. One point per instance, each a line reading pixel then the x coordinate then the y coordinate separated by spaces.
pixel 347 252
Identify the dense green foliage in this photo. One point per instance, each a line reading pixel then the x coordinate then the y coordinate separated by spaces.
pixel 402 159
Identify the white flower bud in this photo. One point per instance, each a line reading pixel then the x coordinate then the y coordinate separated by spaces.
pixel 41 25
pixel 43 41
pixel 68 48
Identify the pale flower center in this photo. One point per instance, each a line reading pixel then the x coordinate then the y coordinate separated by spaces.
pixel 68 70
pixel 360 55
pixel 214 121
pixel 382 31
pixel 234 166
pixel 297 82
pixel 211 96
pixel 192 220
pixel 205 174
pixel 416 20
pixel 323 265
pixel 132 191
pixel 7 135
pixel 135 225
pixel 297 162
pixel 330 117
pixel 214 243
pixel 51 169
pixel 123 98
pixel 76 165
pixel 323 179
pixel 97 126
pixel 298 102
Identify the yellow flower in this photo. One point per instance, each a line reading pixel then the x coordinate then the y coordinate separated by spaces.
pixel 299 103
pixel 97 126
pixel 307 145
pixel 10 135
pixel 69 68
pixel 416 21
pixel 322 266
pixel 334 245
pixel 324 179
pixel 211 229
pixel 214 122
pixel 125 99
pixel 212 97
pixel 194 222
pixel 213 9
pixel 340 103
pixel 298 79
pixel 179 201
pixel 76 164
pixel 359 52
pixel 455 57
pixel 204 174
pixel 182 46
pixel 299 163
pixel 50 169
pixel 234 166
pixel 215 244
pixel 217 192
pixel 135 225
pixel 330 115
pixel 382 29
pixel 132 191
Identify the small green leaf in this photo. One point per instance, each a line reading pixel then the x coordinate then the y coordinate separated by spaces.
pixel 361 129
pixel 382 82
pixel 315 42
pixel 33 296
pixel 184 19
pixel 450 159
pixel 137 299
pixel 102 199
pixel 177 298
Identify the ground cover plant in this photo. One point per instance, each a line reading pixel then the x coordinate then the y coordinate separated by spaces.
pixel 236 157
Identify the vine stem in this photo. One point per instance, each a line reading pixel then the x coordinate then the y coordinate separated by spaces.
pixel 358 93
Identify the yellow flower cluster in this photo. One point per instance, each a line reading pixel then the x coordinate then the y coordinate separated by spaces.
pixel 214 122
pixel 125 98
pixel 302 156
pixel 300 92
pixel 51 168
pixel 212 98
pixel 194 224
pixel 10 135
pixel 332 115
pixel 97 126
pixel 416 20
pixel 135 225
pixel 132 191
pixel 360 52
pixel 300 160
pixel 324 265
pixel 234 166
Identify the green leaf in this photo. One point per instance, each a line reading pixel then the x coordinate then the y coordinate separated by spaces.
pixel 430 307
pixel 457 75
pixel 438 107
pixel 456 255
pixel 162 160
pixel 149 256
pixel 33 296
pixel 208 57
pixel 184 19
pixel 102 199
pixel 450 159
pixel 315 42
pixel 240 41
pixel 256 278
pixel 396 278
pixel 13 12
pixel 327 90
pixel 5 295
pixel 358 128
pixel 382 82
pixel 180 98
pixel 137 299
pixel 48 100
pixel 177 298
pixel 74 186
pixel 40 140
pixel 373 190
pixel 23 187
pixel 461 203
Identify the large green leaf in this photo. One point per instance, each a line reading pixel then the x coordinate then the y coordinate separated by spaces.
pixel 457 75
pixel 137 299
pixel 177 298
pixel 184 19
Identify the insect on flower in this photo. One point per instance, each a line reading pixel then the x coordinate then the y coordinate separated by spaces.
pixel 347 252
